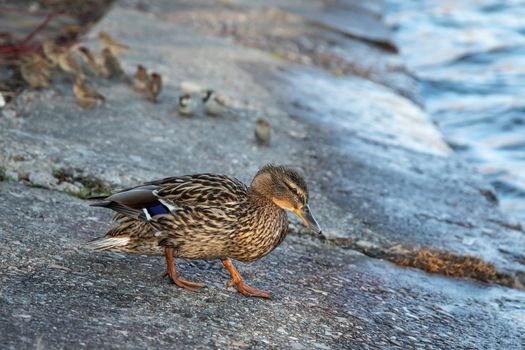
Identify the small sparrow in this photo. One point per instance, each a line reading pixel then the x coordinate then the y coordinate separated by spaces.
pixel 188 105
pixel 154 86
pixel 41 61
pixel 87 97
pixel 140 79
pixel 35 70
pixel 213 104
pixel 51 52
pixel 111 64
pixel 263 131
pixel 68 63
pixel 90 60
pixel 107 42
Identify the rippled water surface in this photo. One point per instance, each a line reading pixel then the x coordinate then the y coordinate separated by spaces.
pixel 470 58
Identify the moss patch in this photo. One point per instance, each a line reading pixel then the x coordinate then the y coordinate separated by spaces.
pixel 91 185
pixel 3 176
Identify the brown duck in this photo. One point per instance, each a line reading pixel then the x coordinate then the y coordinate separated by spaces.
pixel 207 216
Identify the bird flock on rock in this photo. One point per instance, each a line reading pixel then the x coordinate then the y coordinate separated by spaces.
pixel 82 64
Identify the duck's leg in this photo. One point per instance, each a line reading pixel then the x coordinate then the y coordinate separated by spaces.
pixel 172 272
pixel 242 287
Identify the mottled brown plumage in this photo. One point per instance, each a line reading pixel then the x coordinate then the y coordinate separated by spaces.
pixel 35 70
pixel 141 78
pixel 91 60
pixel 263 131
pixel 51 52
pixel 68 63
pixel 86 96
pixel 207 216
pixel 214 104
pixel 154 86
pixel 111 67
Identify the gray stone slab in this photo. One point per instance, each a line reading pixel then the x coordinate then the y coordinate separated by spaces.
pixel 56 294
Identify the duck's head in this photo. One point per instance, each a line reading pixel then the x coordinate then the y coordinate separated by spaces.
pixel 287 189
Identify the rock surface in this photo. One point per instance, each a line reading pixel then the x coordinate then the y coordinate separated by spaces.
pixel 56 293
pixel 379 174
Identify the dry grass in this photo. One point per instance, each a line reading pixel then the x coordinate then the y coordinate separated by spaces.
pixel 435 261
pixel 450 264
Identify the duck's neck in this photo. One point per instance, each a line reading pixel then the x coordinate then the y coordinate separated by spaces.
pixel 268 225
pixel 260 200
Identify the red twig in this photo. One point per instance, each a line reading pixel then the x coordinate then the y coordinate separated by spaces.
pixel 21 46
pixel 16 48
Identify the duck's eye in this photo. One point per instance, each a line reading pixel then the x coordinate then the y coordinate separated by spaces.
pixel 291 189
pixel 300 198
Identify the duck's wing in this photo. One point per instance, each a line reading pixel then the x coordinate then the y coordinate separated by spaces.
pixel 166 195
pixel 204 230
pixel 198 219
pixel 200 190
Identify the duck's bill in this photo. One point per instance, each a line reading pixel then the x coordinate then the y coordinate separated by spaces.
pixel 308 219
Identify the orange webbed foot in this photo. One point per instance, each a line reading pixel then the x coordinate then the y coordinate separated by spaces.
pixel 248 291
pixel 172 274
pixel 242 287
pixel 181 282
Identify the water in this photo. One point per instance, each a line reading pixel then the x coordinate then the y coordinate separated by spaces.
pixel 470 59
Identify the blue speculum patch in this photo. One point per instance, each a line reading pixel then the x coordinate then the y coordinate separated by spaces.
pixel 158 209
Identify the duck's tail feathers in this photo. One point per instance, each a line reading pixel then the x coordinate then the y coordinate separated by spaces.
pixel 122 209
pixel 108 243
